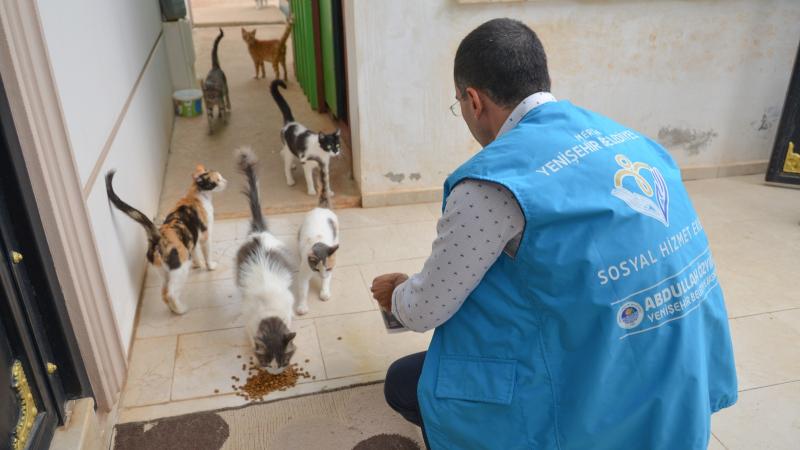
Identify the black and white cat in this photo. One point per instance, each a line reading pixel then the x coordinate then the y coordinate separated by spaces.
pixel 265 270
pixel 300 143
pixel 318 241
pixel 215 89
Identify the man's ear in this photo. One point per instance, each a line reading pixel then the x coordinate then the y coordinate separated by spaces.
pixel 475 101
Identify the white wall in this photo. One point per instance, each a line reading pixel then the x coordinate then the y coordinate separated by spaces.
pixel 139 154
pixel 705 78
pixel 98 49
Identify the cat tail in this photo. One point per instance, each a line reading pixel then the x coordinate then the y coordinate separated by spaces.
pixel 282 105
pixel 214 58
pixel 321 183
pixel 286 33
pixel 247 161
pixel 152 232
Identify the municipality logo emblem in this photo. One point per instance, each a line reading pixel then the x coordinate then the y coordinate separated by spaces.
pixel 653 201
pixel 630 315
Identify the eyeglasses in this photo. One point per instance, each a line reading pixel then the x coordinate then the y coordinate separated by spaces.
pixel 455 109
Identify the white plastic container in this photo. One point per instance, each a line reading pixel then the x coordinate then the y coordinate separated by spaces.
pixel 188 102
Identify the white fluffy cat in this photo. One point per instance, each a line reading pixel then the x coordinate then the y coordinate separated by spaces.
pixel 264 275
pixel 318 241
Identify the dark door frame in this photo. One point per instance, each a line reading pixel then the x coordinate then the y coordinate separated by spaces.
pixel 34 313
pixel 788 135
pixel 23 349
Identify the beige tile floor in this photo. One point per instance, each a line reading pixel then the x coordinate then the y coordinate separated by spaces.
pixel 177 362
pixel 255 121
pixel 211 13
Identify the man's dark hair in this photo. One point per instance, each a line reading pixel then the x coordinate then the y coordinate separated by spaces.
pixel 505 59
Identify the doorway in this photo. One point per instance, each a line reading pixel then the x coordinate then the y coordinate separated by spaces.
pixel 40 365
pixel 784 164
pixel 255 120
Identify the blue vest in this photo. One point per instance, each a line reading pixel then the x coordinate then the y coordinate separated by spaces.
pixel 607 329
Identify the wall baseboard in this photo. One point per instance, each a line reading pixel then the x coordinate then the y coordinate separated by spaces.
pixel 724 170
pixel 430 195
pixel 394 198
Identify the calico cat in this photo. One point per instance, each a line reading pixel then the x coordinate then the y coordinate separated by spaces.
pixel 302 144
pixel 318 241
pixel 215 89
pixel 264 274
pixel 172 247
pixel 273 50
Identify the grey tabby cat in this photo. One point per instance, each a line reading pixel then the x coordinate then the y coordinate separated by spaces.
pixel 215 89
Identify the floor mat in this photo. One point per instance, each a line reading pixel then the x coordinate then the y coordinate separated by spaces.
pixel 355 418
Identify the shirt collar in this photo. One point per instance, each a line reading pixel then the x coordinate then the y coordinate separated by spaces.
pixel 525 106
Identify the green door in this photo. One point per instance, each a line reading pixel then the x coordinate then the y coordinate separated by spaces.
pixel 304 54
pixel 319 53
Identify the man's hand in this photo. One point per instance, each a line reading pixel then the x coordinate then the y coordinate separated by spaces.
pixel 383 287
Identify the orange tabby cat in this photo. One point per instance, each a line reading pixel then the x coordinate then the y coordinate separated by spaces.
pixel 273 50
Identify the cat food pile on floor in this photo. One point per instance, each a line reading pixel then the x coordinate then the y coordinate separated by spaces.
pixel 260 382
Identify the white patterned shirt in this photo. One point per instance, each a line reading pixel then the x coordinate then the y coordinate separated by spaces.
pixel 481 220
pixel 530 102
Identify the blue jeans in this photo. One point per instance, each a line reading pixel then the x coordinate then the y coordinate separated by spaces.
pixel 400 389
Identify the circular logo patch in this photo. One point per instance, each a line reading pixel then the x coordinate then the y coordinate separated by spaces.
pixel 630 315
